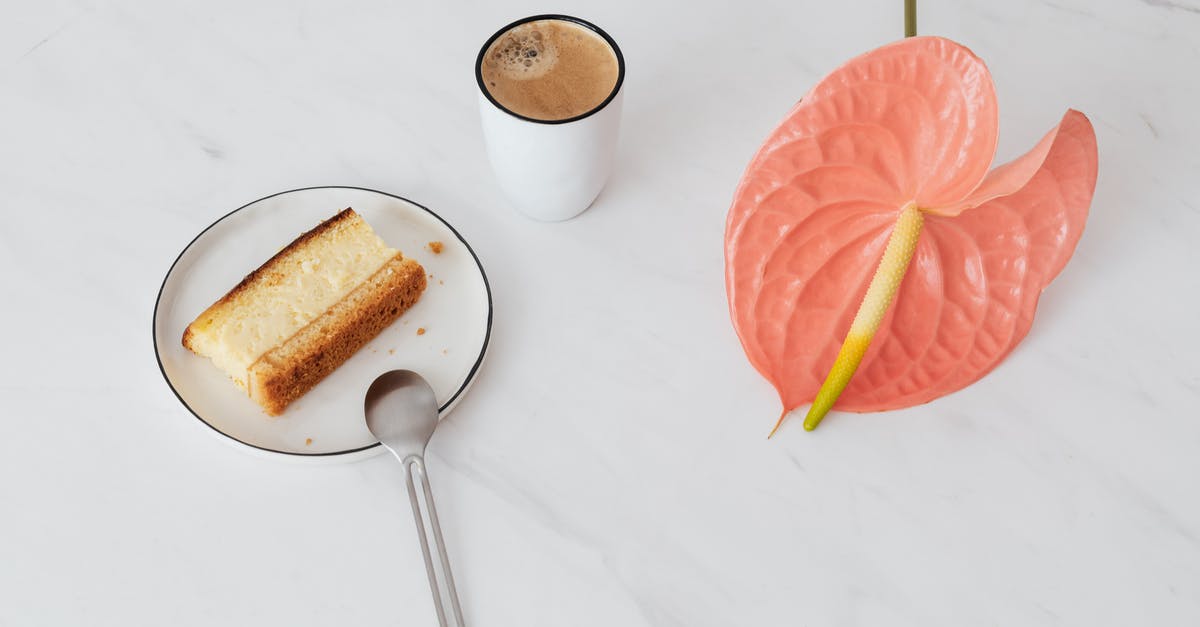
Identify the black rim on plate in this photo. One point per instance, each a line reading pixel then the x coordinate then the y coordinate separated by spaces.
pixel 562 18
pixel 487 335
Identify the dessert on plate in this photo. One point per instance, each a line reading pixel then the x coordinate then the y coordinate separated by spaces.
pixel 306 310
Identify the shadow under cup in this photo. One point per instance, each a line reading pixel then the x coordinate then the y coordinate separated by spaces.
pixel 551 169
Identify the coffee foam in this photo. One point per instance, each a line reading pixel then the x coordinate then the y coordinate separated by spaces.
pixel 549 69
pixel 524 53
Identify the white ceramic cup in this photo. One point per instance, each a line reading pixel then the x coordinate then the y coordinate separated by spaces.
pixel 551 170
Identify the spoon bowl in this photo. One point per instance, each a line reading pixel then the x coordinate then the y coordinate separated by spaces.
pixel 402 412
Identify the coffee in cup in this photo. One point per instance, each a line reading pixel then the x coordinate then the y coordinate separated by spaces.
pixel 550 69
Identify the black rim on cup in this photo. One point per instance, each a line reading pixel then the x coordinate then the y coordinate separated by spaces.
pixel 562 18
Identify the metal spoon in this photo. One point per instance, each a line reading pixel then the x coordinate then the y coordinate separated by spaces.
pixel 402 413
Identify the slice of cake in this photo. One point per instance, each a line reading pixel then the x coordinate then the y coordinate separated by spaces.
pixel 306 310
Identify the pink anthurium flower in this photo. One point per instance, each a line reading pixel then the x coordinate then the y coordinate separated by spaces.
pixel 871 260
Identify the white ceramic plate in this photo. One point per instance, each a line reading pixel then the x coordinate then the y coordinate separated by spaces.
pixel 327 423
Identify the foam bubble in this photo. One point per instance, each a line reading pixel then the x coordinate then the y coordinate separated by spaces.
pixel 522 54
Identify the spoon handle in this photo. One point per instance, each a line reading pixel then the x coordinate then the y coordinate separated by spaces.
pixel 414 466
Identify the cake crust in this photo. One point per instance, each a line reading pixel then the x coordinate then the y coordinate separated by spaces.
pixel 291 369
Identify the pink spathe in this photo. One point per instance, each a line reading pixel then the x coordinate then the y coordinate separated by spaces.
pixel 915 120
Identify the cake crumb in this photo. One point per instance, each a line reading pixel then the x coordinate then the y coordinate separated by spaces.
pixel 420 330
pixel 444 351
pixel 391 351
pixel 435 248
pixel 307 441
pixel 441 282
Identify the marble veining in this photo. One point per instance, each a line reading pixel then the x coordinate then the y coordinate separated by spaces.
pixel 1170 4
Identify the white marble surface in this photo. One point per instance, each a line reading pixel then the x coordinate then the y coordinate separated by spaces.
pixel 609 467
